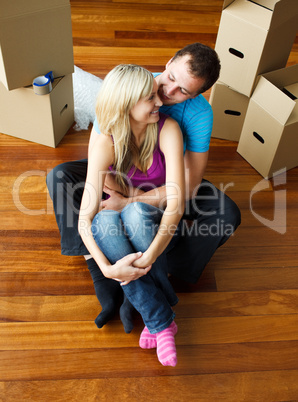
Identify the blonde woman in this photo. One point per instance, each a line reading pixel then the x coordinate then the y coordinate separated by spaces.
pixel 141 147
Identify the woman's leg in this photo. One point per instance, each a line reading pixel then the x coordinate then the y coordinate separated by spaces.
pixel 143 293
pixel 108 293
pixel 109 235
pixel 141 223
pixel 147 298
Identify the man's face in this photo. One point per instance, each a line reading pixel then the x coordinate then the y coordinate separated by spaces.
pixel 176 84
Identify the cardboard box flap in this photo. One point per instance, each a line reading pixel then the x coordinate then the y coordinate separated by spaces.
pixel 226 3
pixel 270 4
pixel 292 92
pixel 264 3
pixel 273 100
pixel 283 77
pixel 284 11
pixel 264 13
pixel 251 13
pixel 13 8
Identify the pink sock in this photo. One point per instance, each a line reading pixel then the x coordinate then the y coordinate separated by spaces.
pixel 148 341
pixel 166 349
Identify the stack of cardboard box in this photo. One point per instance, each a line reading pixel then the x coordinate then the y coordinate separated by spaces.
pixel 255 38
pixel 36 38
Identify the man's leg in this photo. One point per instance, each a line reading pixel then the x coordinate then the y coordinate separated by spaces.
pixel 66 185
pixel 215 217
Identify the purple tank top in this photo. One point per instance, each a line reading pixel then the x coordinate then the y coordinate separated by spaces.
pixel 156 174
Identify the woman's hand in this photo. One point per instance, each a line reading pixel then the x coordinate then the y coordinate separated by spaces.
pixel 145 260
pixel 124 270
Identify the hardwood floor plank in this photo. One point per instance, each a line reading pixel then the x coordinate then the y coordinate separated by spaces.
pixel 68 149
pixel 256 279
pixel 255 257
pixel 69 283
pixel 15 239
pixel 191 305
pixel 217 4
pixel 254 236
pixel 214 330
pixel 135 362
pixel 39 260
pixel 29 219
pixel 46 283
pixel 220 387
pixel 27 203
pixel 48 308
pixel 59 335
pixel 235 304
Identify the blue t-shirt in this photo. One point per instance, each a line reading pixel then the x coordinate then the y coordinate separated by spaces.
pixel 195 118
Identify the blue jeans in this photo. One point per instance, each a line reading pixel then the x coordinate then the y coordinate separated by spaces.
pixel 210 209
pixel 133 229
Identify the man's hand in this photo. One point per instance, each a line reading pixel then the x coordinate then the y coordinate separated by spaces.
pixel 110 182
pixel 115 202
pixel 124 271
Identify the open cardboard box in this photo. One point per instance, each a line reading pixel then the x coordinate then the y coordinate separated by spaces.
pixel 43 119
pixel 269 138
pixel 229 110
pixel 35 38
pixel 254 37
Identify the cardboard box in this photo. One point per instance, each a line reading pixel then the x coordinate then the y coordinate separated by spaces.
pixel 229 110
pixel 35 38
pixel 254 37
pixel 269 138
pixel 43 119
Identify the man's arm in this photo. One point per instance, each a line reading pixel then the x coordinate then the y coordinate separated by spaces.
pixel 195 165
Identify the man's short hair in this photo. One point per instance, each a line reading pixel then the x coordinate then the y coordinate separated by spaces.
pixel 203 63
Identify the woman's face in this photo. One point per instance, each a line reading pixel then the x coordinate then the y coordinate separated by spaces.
pixel 146 109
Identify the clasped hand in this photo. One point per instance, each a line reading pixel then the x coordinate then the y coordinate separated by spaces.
pixel 115 202
pixel 129 268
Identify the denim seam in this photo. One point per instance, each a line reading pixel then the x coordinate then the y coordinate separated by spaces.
pixel 163 326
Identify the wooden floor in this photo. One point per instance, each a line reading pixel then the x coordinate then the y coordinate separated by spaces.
pixel 238 326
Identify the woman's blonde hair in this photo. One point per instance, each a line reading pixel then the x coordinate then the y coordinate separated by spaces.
pixel 121 89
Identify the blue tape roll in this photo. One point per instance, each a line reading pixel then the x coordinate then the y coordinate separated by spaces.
pixel 42 85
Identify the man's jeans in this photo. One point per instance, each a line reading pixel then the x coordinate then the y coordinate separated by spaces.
pixel 131 230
